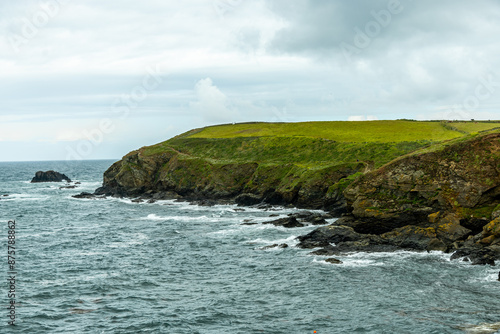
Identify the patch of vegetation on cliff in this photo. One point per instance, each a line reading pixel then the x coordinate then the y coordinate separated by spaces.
pixel 301 151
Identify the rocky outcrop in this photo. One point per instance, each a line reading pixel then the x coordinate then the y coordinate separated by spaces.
pixel 446 199
pixel 49 176
pixel 172 174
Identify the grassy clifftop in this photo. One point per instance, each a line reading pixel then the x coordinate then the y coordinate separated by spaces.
pixel 312 144
pixel 307 164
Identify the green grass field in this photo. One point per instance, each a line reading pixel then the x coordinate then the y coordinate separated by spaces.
pixel 316 144
pixel 354 132
pixel 474 127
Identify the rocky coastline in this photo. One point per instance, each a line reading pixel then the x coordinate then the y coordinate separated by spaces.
pixel 444 198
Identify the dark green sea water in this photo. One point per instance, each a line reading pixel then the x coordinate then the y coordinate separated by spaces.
pixel 112 266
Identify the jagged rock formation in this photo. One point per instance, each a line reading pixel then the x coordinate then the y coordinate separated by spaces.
pixel 445 199
pixel 172 174
pixel 49 176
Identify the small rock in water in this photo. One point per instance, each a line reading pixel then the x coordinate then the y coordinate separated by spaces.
pixel 333 260
pixel 269 247
pixel 288 222
pixel 83 195
pixel 274 246
pixel 49 176
pixel 67 187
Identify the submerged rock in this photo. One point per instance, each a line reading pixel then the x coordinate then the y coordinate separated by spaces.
pixel 274 246
pixel 85 195
pixel 477 255
pixel 49 176
pixel 67 187
pixel 333 260
pixel 288 222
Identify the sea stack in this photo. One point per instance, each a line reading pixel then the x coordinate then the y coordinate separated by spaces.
pixel 49 176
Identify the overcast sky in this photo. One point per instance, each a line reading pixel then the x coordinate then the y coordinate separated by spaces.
pixel 95 79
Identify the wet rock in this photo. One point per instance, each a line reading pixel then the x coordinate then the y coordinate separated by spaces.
pixel 151 201
pixel 287 222
pixel 413 237
pixel 84 195
pixel 49 176
pixel 248 199
pixel 309 217
pixel 333 260
pixel 67 187
pixel 137 200
pixel 324 236
pixel 318 221
pixel 249 223
pixel 274 215
pixel 274 246
pixel 477 255
pixel 326 251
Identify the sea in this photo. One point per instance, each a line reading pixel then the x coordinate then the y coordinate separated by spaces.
pixel 115 266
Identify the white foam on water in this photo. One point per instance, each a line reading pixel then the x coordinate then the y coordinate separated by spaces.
pixel 290 241
pixel 364 259
pixel 155 217
pixel 92 253
pixel 323 262
pixel 134 239
pixel 483 328
pixel 25 197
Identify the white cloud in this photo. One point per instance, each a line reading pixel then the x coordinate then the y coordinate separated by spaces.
pixel 262 60
pixel 213 105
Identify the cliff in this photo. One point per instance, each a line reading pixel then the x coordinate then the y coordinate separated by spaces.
pixel 302 164
pixel 446 197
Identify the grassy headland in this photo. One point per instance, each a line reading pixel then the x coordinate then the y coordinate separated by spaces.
pixel 291 162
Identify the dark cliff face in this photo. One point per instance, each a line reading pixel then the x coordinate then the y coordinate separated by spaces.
pixel 445 199
pixel 172 174
pixel 462 178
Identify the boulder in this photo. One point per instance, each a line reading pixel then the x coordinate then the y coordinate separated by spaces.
pixel 324 236
pixel 84 195
pixel 274 246
pixel 287 222
pixel 477 255
pixel 49 176
pixel 333 260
